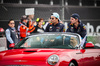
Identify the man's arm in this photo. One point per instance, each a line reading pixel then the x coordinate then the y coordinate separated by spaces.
pixel 8 36
pixel 83 33
pixel 62 29
pixel 68 28
pixel 47 28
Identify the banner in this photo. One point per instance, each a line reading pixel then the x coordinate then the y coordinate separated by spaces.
pixel 29 11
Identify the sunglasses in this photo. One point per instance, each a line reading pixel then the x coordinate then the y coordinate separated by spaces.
pixel 52 18
pixel 12 23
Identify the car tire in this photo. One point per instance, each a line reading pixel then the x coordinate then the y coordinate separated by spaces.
pixel 72 64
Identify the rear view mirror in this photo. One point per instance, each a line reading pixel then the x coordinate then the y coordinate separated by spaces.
pixel 89 45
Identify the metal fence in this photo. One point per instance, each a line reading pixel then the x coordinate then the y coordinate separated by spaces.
pixel 87 14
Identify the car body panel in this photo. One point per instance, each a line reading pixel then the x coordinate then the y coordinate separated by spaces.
pixel 40 55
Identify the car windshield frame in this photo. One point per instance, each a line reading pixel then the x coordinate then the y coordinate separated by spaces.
pixel 50 41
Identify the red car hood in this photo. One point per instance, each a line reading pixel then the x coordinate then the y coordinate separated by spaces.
pixel 28 54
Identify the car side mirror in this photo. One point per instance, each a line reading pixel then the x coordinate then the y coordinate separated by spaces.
pixel 89 45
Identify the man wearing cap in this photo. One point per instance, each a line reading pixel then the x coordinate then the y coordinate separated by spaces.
pixel 76 26
pixel 55 25
pixel 23 29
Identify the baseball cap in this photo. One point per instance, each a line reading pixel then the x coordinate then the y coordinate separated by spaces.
pixel 75 15
pixel 56 15
pixel 24 17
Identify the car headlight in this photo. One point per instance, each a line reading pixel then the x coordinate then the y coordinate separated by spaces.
pixel 53 59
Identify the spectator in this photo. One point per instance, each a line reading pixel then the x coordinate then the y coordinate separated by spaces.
pixel 30 20
pixel 39 28
pixel 55 25
pixel 23 29
pixel 30 14
pixel 76 26
pixel 11 34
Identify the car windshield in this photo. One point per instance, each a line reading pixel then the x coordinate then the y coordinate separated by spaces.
pixel 49 41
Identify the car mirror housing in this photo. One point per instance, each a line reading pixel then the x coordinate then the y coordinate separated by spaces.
pixel 89 45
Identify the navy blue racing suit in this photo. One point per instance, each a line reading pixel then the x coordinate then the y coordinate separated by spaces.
pixel 54 28
pixel 81 29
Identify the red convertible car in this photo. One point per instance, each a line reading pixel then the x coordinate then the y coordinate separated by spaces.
pixel 52 49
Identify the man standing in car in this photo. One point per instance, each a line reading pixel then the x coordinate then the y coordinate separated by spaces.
pixel 76 26
pixel 55 25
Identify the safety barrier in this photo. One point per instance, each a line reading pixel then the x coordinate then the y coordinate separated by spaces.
pixel 3 44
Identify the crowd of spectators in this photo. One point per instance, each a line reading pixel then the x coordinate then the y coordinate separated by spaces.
pixel 27 26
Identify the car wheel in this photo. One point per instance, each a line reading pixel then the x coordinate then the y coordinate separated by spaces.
pixel 72 64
